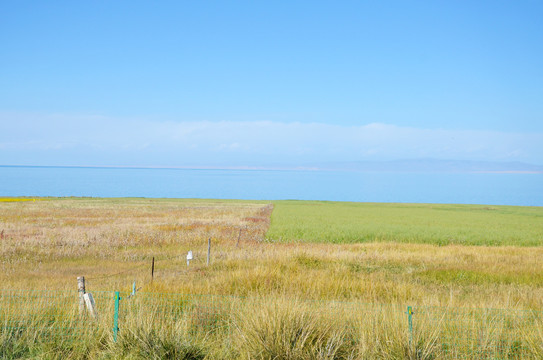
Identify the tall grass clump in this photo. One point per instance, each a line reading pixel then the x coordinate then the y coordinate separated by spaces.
pixel 290 329
pixel 144 343
pixel 380 331
pixel 174 326
pixel 34 340
pixel 47 325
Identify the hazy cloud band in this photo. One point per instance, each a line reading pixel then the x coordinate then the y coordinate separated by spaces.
pixel 92 140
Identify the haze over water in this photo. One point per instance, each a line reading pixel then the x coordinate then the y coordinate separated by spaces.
pixel 455 188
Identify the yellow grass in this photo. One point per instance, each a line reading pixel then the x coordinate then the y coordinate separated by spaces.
pixel 111 243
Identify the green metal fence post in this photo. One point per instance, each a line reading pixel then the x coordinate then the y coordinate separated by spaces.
pixel 410 322
pixel 116 316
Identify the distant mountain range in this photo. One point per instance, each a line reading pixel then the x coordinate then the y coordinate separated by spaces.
pixel 431 165
pixel 410 165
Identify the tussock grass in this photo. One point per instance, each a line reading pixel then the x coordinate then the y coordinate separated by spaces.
pixel 288 329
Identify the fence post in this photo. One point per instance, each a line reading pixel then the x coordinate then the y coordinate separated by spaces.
pixel 410 323
pixel 116 316
pixel 153 269
pixel 81 291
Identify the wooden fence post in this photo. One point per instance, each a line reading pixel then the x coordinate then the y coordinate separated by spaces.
pixel 153 269
pixel 81 290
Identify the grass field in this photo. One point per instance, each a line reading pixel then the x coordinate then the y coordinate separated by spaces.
pixel 343 222
pixel 452 256
pixel 46 243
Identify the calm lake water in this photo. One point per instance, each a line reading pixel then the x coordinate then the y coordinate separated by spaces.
pixel 458 188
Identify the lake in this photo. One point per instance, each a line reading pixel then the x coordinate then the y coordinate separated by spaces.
pixel 457 188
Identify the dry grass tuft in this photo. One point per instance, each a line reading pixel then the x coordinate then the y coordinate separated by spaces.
pixel 288 329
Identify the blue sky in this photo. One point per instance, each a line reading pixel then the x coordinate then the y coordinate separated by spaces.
pixel 269 83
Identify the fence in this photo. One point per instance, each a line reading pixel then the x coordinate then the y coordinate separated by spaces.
pixel 451 332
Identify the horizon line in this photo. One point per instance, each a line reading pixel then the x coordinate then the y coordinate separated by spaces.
pixel 294 168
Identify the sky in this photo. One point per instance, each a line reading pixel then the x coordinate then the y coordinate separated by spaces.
pixel 277 83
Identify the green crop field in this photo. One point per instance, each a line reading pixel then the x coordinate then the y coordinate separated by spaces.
pixel 345 222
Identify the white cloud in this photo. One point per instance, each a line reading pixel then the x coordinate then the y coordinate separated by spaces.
pixel 92 140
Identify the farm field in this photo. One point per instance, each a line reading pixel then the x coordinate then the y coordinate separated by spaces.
pixel 453 256
pixel 439 224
